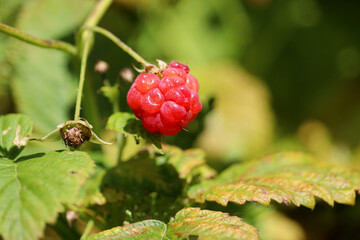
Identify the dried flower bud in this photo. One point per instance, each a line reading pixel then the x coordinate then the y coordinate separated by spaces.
pixel 127 75
pixel 74 134
pixel 71 216
pixel 101 67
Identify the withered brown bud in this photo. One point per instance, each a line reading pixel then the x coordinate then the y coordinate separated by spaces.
pixel 75 134
pixel 101 67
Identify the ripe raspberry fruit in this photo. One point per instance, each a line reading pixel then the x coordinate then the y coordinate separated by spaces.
pixel 166 102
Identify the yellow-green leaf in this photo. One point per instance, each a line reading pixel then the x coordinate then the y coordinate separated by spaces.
pixel 284 177
pixel 148 229
pixel 206 224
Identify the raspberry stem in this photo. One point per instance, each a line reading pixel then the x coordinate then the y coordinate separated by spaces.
pixel 54 44
pixel 118 42
pixel 84 41
pixel 85 54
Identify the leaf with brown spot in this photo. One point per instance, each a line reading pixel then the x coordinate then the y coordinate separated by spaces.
pixel 284 177
pixel 14 133
pixel 188 222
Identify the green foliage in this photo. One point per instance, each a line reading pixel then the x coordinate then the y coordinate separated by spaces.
pixel 284 177
pixel 33 188
pixel 189 222
pixel 128 124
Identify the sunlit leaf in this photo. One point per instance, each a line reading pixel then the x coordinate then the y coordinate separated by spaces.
pixel 14 133
pixel 189 222
pixel 148 229
pixel 34 187
pixel 208 224
pixel 128 124
pixel 284 177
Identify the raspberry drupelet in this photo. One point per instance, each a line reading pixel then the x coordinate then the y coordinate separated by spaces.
pixel 165 104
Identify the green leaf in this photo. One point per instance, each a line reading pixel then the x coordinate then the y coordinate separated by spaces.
pixel 208 224
pixel 34 187
pixel 14 130
pixel 148 229
pixel 128 124
pixel 204 224
pixel 284 177
pixel 189 163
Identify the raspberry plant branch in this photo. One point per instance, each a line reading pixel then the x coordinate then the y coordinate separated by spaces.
pixel 85 54
pixel 54 44
pixel 84 41
pixel 118 42
pixel 97 13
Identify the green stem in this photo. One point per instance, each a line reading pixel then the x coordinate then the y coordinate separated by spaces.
pixel 60 45
pixel 121 142
pixel 93 19
pixel 84 45
pixel 118 42
pixel 87 230
pixel 97 13
pixel 85 54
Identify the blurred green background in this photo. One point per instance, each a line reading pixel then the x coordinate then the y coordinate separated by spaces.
pixel 273 75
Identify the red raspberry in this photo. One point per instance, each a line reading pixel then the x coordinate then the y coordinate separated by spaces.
pixel 179 65
pixel 174 72
pixel 146 81
pixel 165 104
